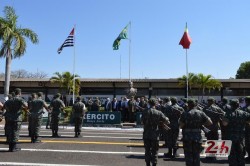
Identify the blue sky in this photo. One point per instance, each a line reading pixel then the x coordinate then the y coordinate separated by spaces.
pixel 220 31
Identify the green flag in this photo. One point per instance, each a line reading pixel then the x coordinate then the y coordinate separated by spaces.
pixel 122 35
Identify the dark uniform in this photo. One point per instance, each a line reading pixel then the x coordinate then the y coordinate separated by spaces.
pixel 13 118
pixel 151 118
pixel 173 112
pixel 57 106
pixel 36 114
pixel 247 131
pixel 236 120
pixel 191 122
pixel 215 114
pixel 78 113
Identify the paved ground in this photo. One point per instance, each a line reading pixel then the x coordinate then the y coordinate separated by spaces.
pixel 98 146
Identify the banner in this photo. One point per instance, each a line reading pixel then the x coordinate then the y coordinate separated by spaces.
pixel 102 118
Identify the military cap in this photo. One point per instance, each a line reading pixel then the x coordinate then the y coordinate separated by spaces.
pixel 247 98
pixel 152 101
pixel 58 95
pixel 210 99
pixel 39 94
pixel 234 102
pixel 225 99
pixel 17 91
pixel 191 101
pixel 184 100
pixel 173 99
pixel 78 98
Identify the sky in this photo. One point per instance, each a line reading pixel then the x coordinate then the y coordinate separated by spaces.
pixel 220 32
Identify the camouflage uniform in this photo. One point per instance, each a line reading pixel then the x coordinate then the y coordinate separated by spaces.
pixel 36 110
pixel 151 119
pixel 57 105
pixel 13 117
pixel 215 114
pixel 247 131
pixel 226 108
pixel 191 122
pixel 78 113
pixel 173 112
pixel 235 121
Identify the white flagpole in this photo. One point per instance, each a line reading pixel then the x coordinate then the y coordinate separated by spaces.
pixel 187 72
pixel 129 49
pixel 120 66
pixel 74 66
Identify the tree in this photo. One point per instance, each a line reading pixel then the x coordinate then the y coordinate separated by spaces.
pixel 192 79
pixel 13 41
pixel 244 71
pixel 21 73
pixel 66 81
pixel 207 82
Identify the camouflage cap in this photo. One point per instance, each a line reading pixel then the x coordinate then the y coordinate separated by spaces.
pixel 58 95
pixel 152 101
pixel 224 99
pixel 210 99
pixel 234 102
pixel 17 91
pixel 173 99
pixel 191 101
pixel 247 98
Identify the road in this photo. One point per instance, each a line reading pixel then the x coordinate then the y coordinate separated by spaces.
pixel 97 147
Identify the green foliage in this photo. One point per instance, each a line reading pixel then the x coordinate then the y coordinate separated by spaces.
pixel 68 111
pixel 244 71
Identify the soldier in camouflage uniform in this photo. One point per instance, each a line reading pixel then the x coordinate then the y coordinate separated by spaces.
pixel 36 110
pixel 151 119
pixel 13 118
pixel 235 120
pixel 191 122
pixel 30 99
pixel 247 131
pixel 173 112
pixel 57 107
pixel 215 114
pixel 78 114
pixel 225 107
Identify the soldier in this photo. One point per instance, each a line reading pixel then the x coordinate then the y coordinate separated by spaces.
pixel 30 99
pixel 132 109
pixel 247 131
pixel 173 113
pixel 48 123
pixel 235 120
pixel 57 107
pixel 225 107
pixel 13 117
pixel 191 122
pixel 151 119
pixel 78 114
pixel 36 113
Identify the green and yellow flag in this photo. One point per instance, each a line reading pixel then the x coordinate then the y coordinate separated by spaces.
pixel 122 35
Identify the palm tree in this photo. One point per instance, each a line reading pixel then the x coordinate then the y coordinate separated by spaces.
pixel 192 79
pixel 207 82
pixel 66 81
pixel 13 41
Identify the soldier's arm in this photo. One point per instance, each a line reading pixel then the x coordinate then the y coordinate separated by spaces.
pixel 206 120
pixel 46 106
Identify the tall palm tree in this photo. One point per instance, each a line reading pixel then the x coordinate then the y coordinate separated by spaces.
pixel 66 81
pixel 13 41
pixel 192 79
pixel 207 82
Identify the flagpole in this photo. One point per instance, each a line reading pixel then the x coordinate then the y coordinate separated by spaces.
pixel 120 66
pixel 187 72
pixel 129 49
pixel 74 66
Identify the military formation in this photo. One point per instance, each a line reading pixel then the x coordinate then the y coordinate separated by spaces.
pixel 161 119
pixel 13 109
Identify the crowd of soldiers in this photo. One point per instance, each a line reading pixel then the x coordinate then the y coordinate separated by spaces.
pixel 13 108
pixel 193 118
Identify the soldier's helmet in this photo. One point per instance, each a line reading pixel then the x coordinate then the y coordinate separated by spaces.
pixel 152 101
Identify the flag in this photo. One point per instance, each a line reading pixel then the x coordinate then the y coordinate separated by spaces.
pixel 186 39
pixel 69 42
pixel 122 35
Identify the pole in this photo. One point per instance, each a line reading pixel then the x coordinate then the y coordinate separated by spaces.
pixel 129 49
pixel 187 73
pixel 120 66
pixel 74 67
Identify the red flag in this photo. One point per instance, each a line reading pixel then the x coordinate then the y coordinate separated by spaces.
pixel 186 39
